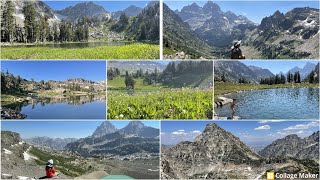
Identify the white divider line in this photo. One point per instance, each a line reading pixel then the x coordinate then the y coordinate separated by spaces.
pixel 161 29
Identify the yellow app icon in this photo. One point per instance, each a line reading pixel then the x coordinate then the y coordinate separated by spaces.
pixel 270 175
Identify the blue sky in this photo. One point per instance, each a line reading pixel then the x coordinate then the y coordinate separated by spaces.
pixel 253 10
pixel 278 66
pixel 62 129
pixel 253 133
pixel 110 6
pixel 56 70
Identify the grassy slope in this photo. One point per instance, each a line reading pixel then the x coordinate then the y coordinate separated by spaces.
pixel 165 104
pixel 118 83
pixel 185 80
pixel 61 163
pixel 132 51
pixel 225 88
pixel 190 80
pixel 161 102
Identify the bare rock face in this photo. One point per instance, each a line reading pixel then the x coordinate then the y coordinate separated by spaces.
pixel 41 9
pixel 216 27
pixel 84 9
pixel 103 129
pixel 206 157
pixel 291 35
pixel 107 141
pixel 294 146
pixel 218 154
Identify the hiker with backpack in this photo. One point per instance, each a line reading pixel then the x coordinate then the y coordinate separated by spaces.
pixel 236 52
pixel 50 170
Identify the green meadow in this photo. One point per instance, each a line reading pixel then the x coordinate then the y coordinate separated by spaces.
pixel 131 51
pixel 157 102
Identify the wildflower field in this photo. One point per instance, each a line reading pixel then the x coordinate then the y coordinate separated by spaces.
pixel 178 103
pixel 131 51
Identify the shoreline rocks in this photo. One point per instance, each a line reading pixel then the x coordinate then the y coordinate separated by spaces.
pixel 7 113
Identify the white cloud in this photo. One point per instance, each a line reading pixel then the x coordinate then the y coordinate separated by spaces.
pixel 265 127
pixel 302 126
pixel 178 133
pixel 162 133
pixel 267 121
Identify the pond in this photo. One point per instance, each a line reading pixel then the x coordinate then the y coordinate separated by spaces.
pixel 72 107
pixel 76 44
pixel 116 177
pixel 282 103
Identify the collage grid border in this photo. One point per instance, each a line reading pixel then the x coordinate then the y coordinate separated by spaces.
pixel 160 59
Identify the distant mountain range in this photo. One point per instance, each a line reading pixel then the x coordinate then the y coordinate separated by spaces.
pixel 216 27
pixel 294 35
pixel 129 11
pixel 73 13
pixel 233 70
pixel 305 71
pixel 53 143
pixel 133 66
pixel 107 140
pixel 218 154
pixel 291 35
pixel 80 10
pixel 294 146
pixel 179 36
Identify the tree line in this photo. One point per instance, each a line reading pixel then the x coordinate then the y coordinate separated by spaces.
pixel 37 28
pixel 156 76
pixel 313 77
pixel 16 84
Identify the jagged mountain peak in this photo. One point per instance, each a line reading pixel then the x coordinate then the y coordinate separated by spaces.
pixel 292 137
pixel 214 26
pixel 132 10
pixel 83 9
pixel 294 146
pixel 133 128
pixel 198 159
pixel 233 70
pixel 105 128
pixel 194 7
pixel 211 7
pixel 304 71
pixel 278 14
pixel 314 136
pixel 137 124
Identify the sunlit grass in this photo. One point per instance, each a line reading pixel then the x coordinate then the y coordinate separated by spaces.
pixel 131 51
pixel 162 104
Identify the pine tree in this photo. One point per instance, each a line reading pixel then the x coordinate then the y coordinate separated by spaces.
pixel 129 82
pixel 55 32
pixel 8 22
pixel 298 78
pixel 44 29
pixel 30 23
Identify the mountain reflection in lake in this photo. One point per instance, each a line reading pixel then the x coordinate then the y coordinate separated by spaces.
pixel 71 107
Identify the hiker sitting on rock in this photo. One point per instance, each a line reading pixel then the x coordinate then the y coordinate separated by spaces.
pixel 50 171
pixel 236 52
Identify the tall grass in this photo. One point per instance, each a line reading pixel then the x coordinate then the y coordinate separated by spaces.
pixel 131 51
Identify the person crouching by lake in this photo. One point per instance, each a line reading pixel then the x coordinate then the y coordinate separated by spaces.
pixel 233 108
pixel 236 52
